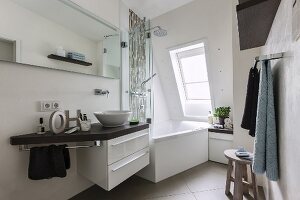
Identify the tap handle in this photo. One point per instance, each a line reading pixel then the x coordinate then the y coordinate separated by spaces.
pixel 101 92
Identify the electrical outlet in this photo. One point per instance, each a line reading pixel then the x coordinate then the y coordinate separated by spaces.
pixel 47 106
pixel 55 105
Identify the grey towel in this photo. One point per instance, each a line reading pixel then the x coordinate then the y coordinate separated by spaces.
pixel 265 147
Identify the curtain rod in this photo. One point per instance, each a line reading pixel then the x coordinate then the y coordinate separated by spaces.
pixel 270 57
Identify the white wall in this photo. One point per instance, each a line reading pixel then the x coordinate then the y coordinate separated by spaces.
pixel 6 50
pixel 124 26
pixel 286 73
pixel 111 59
pixel 197 20
pixel 21 87
pixel 161 112
pixel 106 9
pixel 40 37
pixel 242 62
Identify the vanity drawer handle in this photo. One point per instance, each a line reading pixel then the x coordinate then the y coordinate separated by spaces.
pixel 115 144
pixel 130 161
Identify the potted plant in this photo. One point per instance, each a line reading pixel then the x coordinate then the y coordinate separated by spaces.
pixel 222 113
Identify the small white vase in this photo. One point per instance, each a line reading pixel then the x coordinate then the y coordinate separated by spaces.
pixel 60 52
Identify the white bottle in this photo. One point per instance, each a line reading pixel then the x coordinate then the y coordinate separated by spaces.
pixel 60 51
pixel 210 118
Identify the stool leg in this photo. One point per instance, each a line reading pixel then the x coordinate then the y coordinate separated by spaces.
pixel 254 186
pixel 245 176
pixel 238 182
pixel 228 180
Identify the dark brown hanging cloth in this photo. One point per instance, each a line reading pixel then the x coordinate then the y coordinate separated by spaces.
pixel 250 111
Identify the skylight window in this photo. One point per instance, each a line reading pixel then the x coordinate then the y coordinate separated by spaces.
pixel 190 67
pixel 192 64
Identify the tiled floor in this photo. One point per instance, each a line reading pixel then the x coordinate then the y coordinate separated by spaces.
pixel 204 182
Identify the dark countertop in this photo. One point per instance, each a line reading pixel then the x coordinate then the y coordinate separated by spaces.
pixel 97 132
pixel 218 130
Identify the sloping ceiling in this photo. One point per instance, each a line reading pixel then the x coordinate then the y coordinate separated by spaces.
pixel 153 8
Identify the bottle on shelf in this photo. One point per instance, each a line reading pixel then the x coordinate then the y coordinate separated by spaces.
pixel 41 127
pixel 210 118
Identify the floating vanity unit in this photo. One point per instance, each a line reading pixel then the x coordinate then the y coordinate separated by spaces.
pixel 123 151
pixel 116 160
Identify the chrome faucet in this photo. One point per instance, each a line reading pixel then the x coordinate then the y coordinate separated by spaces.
pixel 101 92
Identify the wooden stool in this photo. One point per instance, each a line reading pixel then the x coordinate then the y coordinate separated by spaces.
pixel 241 184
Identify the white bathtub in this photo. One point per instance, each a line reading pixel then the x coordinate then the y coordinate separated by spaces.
pixel 175 147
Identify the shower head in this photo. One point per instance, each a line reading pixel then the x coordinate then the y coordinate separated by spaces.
pixel 160 32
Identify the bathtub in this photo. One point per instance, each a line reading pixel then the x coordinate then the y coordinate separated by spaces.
pixel 175 147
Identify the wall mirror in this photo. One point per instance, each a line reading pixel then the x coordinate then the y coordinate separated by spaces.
pixel 59 34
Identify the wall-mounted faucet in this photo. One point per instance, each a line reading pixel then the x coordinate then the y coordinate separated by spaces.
pixel 101 92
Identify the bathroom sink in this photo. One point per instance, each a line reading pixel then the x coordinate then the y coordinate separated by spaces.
pixel 112 118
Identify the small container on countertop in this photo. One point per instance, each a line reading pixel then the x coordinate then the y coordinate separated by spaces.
pixel 86 125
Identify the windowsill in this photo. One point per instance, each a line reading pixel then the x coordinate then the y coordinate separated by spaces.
pixel 218 130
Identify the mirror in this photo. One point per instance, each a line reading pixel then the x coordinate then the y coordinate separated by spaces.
pixel 59 34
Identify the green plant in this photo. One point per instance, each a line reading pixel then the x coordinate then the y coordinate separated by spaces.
pixel 222 112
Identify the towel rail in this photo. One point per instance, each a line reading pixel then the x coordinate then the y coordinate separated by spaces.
pixel 97 144
pixel 270 57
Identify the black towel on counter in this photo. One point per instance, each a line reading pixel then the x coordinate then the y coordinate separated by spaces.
pixel 48 162
pixel 250 111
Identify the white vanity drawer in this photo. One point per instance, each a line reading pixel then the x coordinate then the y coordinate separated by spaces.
pixel 123 169
pixel 126 145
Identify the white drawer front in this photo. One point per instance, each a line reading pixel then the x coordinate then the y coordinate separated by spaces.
pixel 221 136
pixel 123 169
pixel 126 145
pixel 217 148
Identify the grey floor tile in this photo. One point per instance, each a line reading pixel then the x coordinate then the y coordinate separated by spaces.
pixel 211 195
pixel 176 197
pixel 125 191
pixel 204 182
pixel 171 186
pixel 207 176
pixel 136 189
